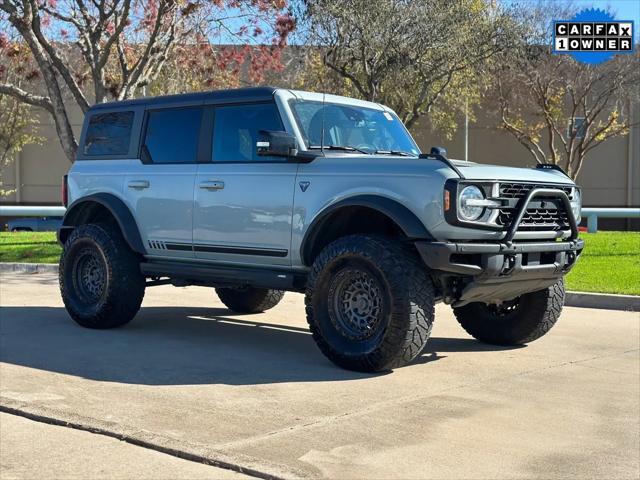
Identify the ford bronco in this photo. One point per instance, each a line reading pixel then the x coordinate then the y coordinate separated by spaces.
pixel 259 191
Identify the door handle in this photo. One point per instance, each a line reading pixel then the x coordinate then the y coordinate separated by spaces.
pixel 212 185
pixel 138 184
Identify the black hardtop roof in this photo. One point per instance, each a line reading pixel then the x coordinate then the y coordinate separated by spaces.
pixel 254 94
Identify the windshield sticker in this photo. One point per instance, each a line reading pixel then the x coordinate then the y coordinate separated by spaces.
pixel 388 116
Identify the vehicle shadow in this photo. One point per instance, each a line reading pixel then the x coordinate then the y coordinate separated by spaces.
pixel 178 346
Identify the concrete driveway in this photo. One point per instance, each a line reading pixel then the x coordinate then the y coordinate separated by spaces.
pixel 254 393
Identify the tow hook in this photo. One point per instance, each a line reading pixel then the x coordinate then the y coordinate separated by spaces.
pixel 508 265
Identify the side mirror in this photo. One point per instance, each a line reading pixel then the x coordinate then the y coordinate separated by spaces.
pixel 277 144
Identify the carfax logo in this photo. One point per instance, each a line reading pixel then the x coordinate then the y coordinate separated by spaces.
pixel 593 36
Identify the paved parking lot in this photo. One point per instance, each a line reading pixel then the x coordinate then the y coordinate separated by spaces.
pixel 36 450
pixel 254 392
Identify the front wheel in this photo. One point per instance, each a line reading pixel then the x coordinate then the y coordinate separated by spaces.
pixel 370 303
pixel 100 279
pixel 513 322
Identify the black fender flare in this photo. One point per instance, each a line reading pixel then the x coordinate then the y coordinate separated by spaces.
pixel 118 210
pixel 408 222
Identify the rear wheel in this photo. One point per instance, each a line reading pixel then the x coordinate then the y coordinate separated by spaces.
pixel 370 303
pixel 249 299
pixel 100 279
pixel 514 322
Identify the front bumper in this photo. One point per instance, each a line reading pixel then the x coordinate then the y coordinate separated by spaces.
pixel 492 272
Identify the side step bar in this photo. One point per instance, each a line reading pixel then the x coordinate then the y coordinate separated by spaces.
pixel 224 276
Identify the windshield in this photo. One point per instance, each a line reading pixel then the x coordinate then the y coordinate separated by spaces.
pixel 353 128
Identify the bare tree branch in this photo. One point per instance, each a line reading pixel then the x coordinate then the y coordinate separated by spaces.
pixel 541 96
pixel 26 97
pixel 409 55
pixel 57 62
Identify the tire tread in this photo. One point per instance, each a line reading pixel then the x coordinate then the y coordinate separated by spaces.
pixel 542 311
pixel 124 295
pixel 249 300
pixel 407 279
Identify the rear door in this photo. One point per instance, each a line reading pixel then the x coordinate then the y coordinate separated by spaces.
pixel 159 188
pixel 243 202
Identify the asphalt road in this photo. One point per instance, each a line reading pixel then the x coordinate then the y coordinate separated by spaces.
pixel 253 391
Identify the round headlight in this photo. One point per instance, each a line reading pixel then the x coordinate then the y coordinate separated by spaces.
pixel 576 205
pixel 466 211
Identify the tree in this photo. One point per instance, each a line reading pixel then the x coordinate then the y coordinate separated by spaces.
pixel 409 54
pixel 115 48
pixel 18 123
pixel 306 70
pixel 18 127
pixel 558 108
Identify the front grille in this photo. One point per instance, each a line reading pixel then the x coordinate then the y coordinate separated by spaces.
pixel 519 190
pixel 546 218
pixel 537 219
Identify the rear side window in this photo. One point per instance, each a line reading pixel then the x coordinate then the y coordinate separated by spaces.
pixel 235 132
pixel 108 134
pixel 172 135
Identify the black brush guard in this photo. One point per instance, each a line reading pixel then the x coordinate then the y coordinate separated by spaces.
pixel 504 270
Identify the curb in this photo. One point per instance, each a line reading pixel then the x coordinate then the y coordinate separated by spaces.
pixel 29 267
pixel 629 303
pixel 194 452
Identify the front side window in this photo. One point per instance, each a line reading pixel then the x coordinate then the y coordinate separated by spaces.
pixel 235 132
pixel 108 134
pixel 172 135
pixel 366 129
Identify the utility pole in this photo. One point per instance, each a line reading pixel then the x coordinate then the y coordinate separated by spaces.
pixel 466 130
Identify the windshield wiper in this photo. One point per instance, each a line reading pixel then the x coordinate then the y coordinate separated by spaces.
pixel 344 148
pixel 395 152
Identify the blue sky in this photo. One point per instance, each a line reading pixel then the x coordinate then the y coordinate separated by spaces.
pixel 623 9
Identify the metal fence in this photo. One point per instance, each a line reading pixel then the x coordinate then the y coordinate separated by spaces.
pixel 19 211
pixel 591 214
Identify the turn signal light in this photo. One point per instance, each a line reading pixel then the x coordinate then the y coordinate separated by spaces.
pixel 447 200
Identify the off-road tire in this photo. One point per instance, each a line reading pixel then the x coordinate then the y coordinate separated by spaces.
pixel 97 251
pixel 532 316
pixel 405 309
pixel 249 300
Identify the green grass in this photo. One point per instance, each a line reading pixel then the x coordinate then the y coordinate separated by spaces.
pixel 29 247
pixel 610 263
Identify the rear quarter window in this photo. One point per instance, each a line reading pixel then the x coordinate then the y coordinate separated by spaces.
pixel 108 134
pixel 172 135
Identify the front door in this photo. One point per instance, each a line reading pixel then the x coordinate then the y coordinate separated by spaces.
pixel 244 202
pixel 160 187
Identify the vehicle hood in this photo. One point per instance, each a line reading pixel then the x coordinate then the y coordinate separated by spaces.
pixel 480 171
pixel 470 170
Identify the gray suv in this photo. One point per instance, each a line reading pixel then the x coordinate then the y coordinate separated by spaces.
pixel 259 191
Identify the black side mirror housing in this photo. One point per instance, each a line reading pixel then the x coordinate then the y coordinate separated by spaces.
pixel 276 144
pixel 439 151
